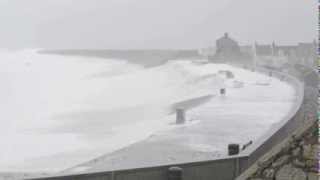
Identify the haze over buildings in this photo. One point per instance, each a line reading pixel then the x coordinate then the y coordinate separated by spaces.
pixel 152 24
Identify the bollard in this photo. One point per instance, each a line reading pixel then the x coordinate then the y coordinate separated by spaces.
pixel 270 73
pixel 175 173
pixel 233 149
pixel 180 116
pixel 222 91
pixel 229 75
pixel 246 145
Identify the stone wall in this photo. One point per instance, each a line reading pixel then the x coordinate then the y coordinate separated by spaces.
pixel 297 160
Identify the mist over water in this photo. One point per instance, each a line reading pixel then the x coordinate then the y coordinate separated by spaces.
pixel 84 107
pixel 57 111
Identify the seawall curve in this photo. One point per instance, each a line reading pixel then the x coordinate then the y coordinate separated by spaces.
pixel 227 168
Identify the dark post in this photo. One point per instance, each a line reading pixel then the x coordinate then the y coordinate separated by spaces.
pixel 180 117
pixel 233 149
pixel 223 91
pixel 175 173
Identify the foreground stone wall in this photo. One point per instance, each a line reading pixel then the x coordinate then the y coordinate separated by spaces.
pixel 297 160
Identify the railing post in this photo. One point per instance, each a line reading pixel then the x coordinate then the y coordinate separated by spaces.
pixel 112 175
pixel 223 91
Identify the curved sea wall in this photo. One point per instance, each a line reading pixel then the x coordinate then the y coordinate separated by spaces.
pixel 230 167
pixel 296 156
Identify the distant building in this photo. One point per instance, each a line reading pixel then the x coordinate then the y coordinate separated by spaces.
pixel 227 47
pixel 228 50
pixel 263 50
pixel 303 53
pixel 247 50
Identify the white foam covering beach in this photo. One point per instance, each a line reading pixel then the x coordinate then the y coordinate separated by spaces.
pixel 58 111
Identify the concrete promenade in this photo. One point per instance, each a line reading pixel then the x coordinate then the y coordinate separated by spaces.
pixel 209 129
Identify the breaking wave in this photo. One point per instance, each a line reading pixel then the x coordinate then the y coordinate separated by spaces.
pixel 77 108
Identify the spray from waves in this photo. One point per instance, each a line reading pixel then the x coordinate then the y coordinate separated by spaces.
pixel 61 105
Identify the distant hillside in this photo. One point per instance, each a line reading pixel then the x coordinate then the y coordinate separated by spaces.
pixel 147 58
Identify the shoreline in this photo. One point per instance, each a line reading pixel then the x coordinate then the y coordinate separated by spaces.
pixel 167 150
pixel 198 145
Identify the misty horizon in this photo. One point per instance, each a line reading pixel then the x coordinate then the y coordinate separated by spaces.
pixel 131 24
pixel 159 89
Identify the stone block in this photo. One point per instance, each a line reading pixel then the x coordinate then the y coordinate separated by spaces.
pixel 284 173
pixel 296 152
pixel 288 172
pixel 281 161
pixel 311 163
pixel 313 176
pixel 268 173
pixel 309 152
pixel 255 179
pixel 297 163
pixel 264 163
pixel 299 175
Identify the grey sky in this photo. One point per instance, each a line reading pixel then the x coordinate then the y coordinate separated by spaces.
pixel 153 23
